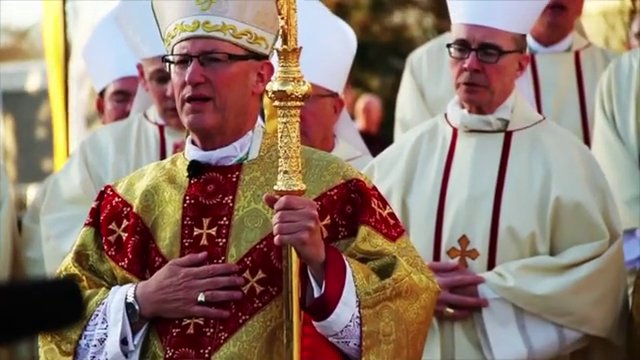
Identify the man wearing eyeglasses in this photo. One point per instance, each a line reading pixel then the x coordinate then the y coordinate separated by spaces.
pixel 510 211
pixel 117 150
pixel 560 81
pixel 182 259
pixel 325 123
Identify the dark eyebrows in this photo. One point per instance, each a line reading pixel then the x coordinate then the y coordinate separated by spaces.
pixel 482 45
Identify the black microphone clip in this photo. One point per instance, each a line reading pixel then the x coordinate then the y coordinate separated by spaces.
pixel 195 169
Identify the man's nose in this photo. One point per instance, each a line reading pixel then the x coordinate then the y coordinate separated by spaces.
pixel 194 73
pixel 472 63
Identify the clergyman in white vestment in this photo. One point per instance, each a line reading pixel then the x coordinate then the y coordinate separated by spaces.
pixel 509 209
pixel 560 82
pixel 111 65
pixel 326 62
pixel 118 149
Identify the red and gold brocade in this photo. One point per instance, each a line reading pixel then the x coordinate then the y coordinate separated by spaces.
pixel 134 227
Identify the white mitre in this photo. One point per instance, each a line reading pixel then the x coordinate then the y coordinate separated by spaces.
pixel 136 21
pixel 328 49
pixel 515 16
pixel 107 55
pixel 251 24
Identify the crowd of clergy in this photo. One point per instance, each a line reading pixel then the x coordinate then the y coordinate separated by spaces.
pixel 503 222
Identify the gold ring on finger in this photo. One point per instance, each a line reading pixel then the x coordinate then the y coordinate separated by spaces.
pixel 201 299
pixel 449 311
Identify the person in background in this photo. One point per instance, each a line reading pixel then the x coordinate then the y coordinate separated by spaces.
pixel 560 82
pixel 616 146
pixel 369 114
pixel 111 66
pixel 510 211
pixel 326 61
pixel 117 150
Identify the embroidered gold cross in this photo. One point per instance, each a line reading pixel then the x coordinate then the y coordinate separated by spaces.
pixel 323 226
pixel 378 207
pixel 205 231
pixel 253 281
pixel 119 231
pixel 463 253
pixel 205 5
pixel 191 322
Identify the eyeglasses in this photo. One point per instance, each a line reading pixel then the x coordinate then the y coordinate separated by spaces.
pixel 486 53
pixel 179 63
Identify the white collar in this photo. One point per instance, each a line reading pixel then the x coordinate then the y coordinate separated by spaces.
pixel 559 47
pixel 244 149
pixel 498 121
pixel 345 151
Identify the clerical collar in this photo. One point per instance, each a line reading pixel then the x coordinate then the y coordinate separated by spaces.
pixel 465 121
pixel 561 46
pixel 244 149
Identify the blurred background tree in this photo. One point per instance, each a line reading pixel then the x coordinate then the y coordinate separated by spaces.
pixel 387 32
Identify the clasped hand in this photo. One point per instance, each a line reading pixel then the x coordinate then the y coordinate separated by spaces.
pixel 459 297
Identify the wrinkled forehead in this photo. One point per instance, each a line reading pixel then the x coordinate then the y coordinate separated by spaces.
pixel 197 45
pixel 477 34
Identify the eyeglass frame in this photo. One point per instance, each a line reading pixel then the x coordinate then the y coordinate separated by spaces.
pixel 231 58
pixel 499 51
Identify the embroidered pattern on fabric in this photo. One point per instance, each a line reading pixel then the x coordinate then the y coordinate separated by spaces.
pixel 349 338
pixel 92 344
pixel 463 252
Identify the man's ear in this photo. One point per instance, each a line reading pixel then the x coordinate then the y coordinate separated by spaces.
pixel 263 76
pixel 523 63
pixel 100 105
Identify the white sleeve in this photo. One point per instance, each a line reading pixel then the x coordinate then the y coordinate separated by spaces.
pixel 343 327
pixel 509 332
pixel 108 334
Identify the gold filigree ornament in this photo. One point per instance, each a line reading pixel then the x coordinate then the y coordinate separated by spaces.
pixel 227 30
pixel 205 5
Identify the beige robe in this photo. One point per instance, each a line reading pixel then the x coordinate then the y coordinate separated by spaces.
pixel 616 146
pixel 108 154
pixel 616 138
pixel 528 209
pixel 563 85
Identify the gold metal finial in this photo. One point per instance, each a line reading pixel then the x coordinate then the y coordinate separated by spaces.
pixel 288 91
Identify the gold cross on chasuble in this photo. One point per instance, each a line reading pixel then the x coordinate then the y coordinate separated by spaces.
pixel 463 252
pixel 192 322
pixel 252 281
pixel 205 231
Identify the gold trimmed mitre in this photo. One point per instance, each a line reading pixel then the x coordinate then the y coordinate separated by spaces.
pixel 251 24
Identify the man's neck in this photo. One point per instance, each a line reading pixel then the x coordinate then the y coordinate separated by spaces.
pixel 549 41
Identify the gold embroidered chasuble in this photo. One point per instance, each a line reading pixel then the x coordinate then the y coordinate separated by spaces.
pixel 530 214
pixel 158 213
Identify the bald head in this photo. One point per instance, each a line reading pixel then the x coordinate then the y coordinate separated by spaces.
pixel 368 113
